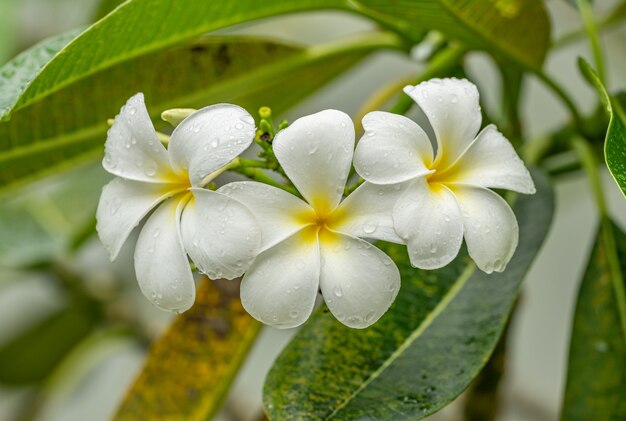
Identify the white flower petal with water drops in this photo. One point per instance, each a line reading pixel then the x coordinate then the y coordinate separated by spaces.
pixel 429 215
pixel 281 286
pixel 316 152
pixel 393 149
pixel 132 149
pixel 209 139
pixel 358 281
pixel 150 174
pixel 161 265
pixel 220 234
pixel 491 230
pixel 277 209
pixel 123 204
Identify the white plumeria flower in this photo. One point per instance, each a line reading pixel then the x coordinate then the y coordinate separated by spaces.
pixel 316 244
pixel 448 195
pixel 220 234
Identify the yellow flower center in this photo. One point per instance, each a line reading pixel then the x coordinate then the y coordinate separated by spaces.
pixel 319 222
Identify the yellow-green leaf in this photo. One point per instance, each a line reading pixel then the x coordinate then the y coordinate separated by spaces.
pixel 189 369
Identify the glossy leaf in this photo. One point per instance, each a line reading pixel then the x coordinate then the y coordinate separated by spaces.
pixel 422 354
pixel 189 369
pixel 70 126
pixel 35 353
pixel 615 141
pixel 105 7
pixel 596 375
pixel 140 27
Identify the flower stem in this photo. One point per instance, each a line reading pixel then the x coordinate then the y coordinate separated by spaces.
pixel 586 13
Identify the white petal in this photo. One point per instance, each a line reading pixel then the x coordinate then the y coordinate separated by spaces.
pixel 366 212
pixel 316 152
pixel 123 204
pixel 359 282
pixel 275 209
pixel 492 162
pixel 210 138
pixel 281 286
pixel 393 149
pixel 491 230
pixel 132 149
pixel 453 111
pixel 220 234
pixel 430 220
pixel 161 264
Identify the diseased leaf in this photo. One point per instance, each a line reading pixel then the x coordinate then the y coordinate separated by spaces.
pixel 615 141
pixel 189 369
pixel 423 353
pixel 70 126
pixel 596 374
pixel 517 29
pixel 35 353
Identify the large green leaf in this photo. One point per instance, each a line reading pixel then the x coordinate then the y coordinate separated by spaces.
pixel 596 375
pixel 189 369
pixel 70 126
pixel 419 356
pixel 615 142
pixel 35 353
pixel 517 29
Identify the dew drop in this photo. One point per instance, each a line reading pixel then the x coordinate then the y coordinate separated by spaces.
pixel 338 291
pixel 156 233
pixel 370 226
pixel 238 126
pixel 293 314
pixel 150 169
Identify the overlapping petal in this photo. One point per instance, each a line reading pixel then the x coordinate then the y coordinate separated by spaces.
pixel 316 153
pixel 490 227
pixel 123 204
pixel 392 150
pixel 161 265
pixel 429 219
pixel 281 286
pixel 453 110
pixel 221 235
pixel 132 149
pixel 276 209
pixel 366 212
pixel 492 162
pixel 358 281
pixel 209 139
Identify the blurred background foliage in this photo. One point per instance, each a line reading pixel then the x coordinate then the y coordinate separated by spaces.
pixel 75 331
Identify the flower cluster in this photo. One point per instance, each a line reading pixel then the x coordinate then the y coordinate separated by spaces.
pixel 287 247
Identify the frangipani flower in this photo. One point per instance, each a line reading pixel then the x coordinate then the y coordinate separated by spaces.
pixel 448 195
pixel 316 243
pixel 220 235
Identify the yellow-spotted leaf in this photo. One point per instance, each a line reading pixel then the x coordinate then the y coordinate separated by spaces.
pixel 189 369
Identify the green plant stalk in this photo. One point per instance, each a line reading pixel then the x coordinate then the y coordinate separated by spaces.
pixel 563 96
pixel 590 165
pixel 586 13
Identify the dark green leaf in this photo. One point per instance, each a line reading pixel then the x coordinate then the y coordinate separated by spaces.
pixel 105 7
pixel 140 27
pixel 615 142
pixel 35 353
pixel 189 369
pixel 596 375
pixel 422 354
pixel 70 126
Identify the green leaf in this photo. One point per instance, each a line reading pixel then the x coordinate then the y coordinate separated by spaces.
pixel 105 7
pixel 35 353
pixel 596 375
pixel 189 369
pixel 141 27
pixel 615 141
pixel 423 353
pixel 16 75
pixel 70 126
